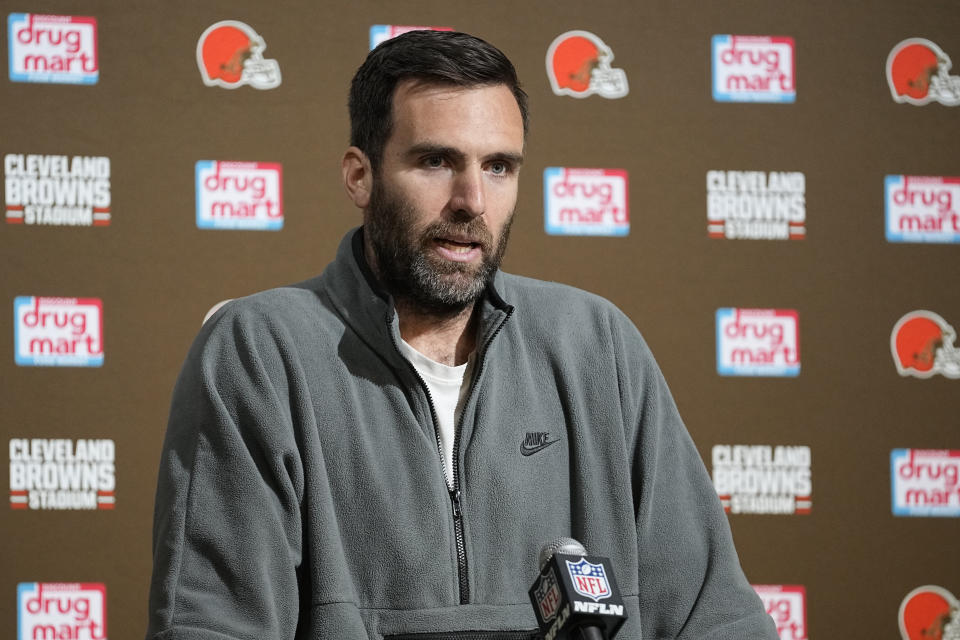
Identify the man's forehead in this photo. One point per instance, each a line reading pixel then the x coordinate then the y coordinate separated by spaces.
pixel 419 90
pixel 423 108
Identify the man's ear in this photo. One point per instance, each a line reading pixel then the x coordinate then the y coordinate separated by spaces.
pixel 357 176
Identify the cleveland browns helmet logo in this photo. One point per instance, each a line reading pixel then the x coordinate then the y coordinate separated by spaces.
pixel 922 346
pixel 929 613
pixel 917 74
pixel 578 64
pixel 230 55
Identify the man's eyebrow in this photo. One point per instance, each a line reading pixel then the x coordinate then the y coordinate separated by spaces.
pixel 516 159
pixel 428 148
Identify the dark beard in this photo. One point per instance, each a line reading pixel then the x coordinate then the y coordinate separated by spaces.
pixel 410 272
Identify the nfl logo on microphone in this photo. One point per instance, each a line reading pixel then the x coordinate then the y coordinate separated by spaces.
pixel 589 580
pixel 548 596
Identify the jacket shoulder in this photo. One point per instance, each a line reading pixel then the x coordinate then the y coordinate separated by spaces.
pixel 553 300
pixel 291 304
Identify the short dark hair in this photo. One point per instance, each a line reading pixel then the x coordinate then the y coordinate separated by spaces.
pixel 440 57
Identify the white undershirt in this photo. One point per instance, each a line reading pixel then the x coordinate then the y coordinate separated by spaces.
pixel 448 389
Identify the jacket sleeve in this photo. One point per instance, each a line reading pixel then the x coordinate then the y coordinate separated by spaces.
pixel 227 523
pixel 691 583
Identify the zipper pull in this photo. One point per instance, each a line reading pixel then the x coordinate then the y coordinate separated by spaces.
pixel 455 498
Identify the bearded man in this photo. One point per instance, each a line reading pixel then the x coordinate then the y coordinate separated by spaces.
pixel 382 451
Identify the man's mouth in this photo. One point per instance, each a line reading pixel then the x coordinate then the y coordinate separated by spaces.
pixel 457 245
pixel 460 249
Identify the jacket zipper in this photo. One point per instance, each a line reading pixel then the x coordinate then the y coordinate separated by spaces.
pixel 455 494
pixel 456 506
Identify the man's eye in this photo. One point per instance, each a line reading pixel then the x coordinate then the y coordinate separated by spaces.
pixel 434 162
pixel 499 168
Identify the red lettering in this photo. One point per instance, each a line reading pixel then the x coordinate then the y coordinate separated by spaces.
pixel 786 82
pixel 596 586
pixel 942 198
pixel 31 318
pixel 602 192
pixel 590 215
pixel 754 57
pixel 58 63
pixel 40 345
pixel 920 223
pixel 591 585
pixel 257 184
pixel 795 630
pixel 215 185
pixel 748 83
pixel 89 629
pixel 35 604
pixel 90 346
pixel 36 35
pixel 60 604
pixel 29 33
pixel 779 609
pixel 550 601
pixel 273 211
pixel 931 470
pixel 77 320
pixel 743 328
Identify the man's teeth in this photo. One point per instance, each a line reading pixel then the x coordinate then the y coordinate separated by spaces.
pixel 457 247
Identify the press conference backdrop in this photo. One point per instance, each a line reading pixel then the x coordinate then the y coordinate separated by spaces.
pixel 768 189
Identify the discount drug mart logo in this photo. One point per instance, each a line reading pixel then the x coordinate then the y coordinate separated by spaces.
pixel 76 610
pixel 756 205
pixel 929 612
pixel 585 202
pixel 62 474
pixel 922 209
pixel 763 478
pixel 787 605
pixel 917 73
pixel 758 342
pixel 59 332
pixel 753 69
pixel 925 482
pixel 239 195
pixel 380 33
pixel 54 190
pixel 53 49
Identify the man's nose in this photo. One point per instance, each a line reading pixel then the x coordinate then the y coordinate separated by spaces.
pixel 468 197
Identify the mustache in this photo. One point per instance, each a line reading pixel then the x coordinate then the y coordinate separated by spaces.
pixel 473 231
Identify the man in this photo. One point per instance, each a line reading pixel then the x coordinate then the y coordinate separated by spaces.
pixel 382 451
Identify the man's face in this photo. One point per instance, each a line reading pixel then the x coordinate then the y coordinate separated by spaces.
pixel 443 197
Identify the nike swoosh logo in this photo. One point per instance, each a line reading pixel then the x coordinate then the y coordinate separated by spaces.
pixel 528 450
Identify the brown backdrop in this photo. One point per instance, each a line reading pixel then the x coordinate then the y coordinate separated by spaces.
pixel 158 274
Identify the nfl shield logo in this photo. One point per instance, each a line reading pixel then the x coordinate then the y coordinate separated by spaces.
pixel 548 596
pixel 589 580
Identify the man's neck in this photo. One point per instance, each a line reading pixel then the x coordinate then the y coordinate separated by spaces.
pixel 447 339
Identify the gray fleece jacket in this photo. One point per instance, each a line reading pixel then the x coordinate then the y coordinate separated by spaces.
pixel 301 491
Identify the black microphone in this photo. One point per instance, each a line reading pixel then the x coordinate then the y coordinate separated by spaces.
pixel 575 597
